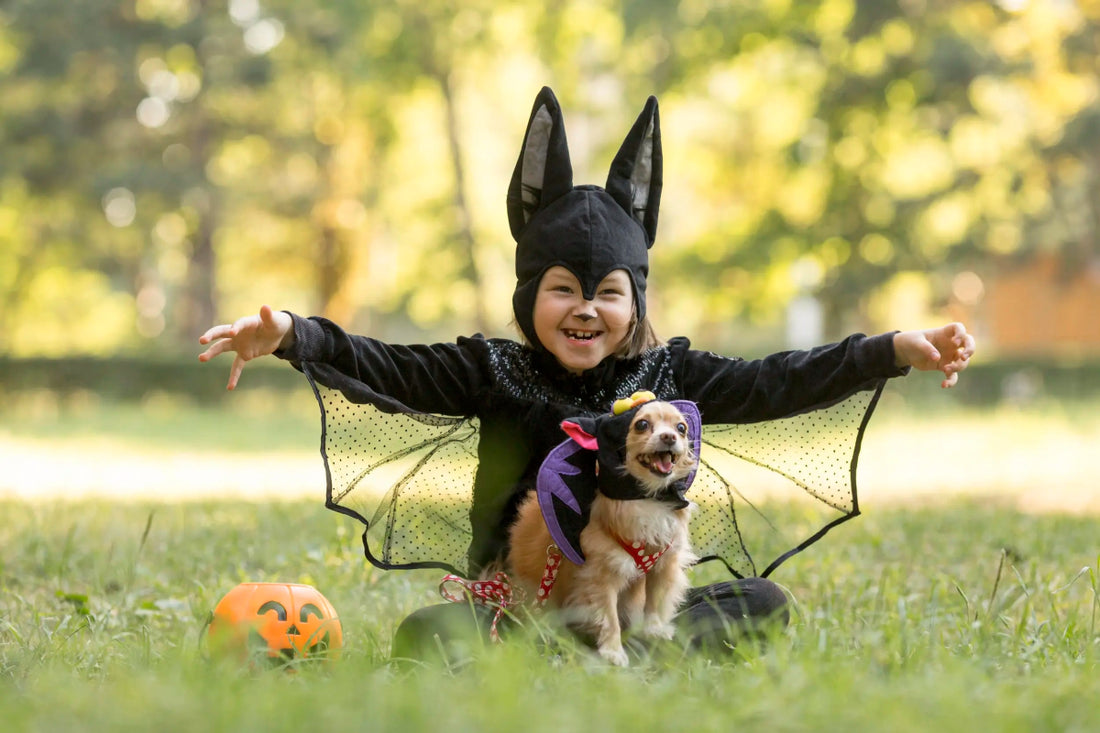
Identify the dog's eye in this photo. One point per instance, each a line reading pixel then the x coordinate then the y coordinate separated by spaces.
pixel 641 426
pixel 681 428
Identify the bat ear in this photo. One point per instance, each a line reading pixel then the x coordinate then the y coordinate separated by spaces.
pixel 636 172
pixel 580 435
pixel 543 171
pixel 690 411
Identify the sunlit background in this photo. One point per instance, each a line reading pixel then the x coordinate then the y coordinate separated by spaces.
pixel 830 166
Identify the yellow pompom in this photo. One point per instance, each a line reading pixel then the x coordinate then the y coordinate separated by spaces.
pixel 621 406
pixel 628 403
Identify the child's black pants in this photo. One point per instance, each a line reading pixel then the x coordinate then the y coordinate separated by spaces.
pixel 712 616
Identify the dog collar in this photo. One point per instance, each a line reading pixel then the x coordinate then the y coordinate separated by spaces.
pixel 624 487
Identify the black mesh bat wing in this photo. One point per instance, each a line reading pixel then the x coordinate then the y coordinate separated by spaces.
pixel 407 476
pixel 765 491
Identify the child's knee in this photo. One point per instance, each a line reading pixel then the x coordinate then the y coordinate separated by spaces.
pixel 449 633
pixel 719 614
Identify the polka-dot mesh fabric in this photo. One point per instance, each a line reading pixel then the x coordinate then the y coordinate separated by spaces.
pixel 409 477
pixel 762 489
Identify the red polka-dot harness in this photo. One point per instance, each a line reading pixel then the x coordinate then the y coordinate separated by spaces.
pixel 637 552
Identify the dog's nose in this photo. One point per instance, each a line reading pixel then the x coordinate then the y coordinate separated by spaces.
pixel 668 438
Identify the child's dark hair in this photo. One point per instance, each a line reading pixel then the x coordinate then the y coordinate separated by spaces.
pixel 641 338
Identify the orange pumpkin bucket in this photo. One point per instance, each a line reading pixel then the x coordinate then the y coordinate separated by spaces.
pixel 283 622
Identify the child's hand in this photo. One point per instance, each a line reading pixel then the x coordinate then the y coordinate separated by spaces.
pixel 250 337
pixel 947 349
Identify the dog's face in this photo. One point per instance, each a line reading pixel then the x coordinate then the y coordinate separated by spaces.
pixel 658 446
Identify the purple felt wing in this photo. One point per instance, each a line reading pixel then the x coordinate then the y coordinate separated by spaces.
pixel 549 485
pixel 695 426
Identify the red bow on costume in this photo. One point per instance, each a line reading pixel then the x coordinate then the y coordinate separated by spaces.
pixel 495 593
pixel 498 592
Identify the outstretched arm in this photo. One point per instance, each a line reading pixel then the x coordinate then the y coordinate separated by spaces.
pixel 947 349
pixel 249 337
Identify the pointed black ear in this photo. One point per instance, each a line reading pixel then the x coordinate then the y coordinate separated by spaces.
pixel 635 177
pixel 543 172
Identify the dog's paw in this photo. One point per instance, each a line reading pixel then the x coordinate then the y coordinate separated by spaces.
pixel 614 656
pixel 658 629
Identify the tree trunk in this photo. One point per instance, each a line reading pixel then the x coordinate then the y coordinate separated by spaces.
pixel 462 209
pixel 200 308
pixel 331 270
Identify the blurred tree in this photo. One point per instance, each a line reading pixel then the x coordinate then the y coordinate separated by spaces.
pixel 122 108
pixel 431 39
pixel 57 183
pixel 163 137
pixel 837 148
pixel 168 163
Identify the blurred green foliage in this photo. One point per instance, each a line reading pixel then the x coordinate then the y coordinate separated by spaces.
pixel 168 164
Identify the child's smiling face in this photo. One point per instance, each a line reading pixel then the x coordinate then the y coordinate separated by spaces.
pixel 581 333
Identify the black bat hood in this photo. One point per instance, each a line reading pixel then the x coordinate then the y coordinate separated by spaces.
pixel 589 230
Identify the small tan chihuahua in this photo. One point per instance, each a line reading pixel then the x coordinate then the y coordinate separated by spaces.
pixel 635 546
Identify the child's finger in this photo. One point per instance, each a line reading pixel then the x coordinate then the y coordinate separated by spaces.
pixel 968 346
pixel 235 372
pixel 219 347
pixel 215 332
pixel 961 338
pixel 243 323
pixel 931 353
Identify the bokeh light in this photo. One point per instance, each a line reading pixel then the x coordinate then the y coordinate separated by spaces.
pixel 119 207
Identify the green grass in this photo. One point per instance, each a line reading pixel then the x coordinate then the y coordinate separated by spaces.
pixel 954 614
pixel 951 617
pixel 247 420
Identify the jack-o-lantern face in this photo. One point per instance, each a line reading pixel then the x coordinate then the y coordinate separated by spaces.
pixel 282 621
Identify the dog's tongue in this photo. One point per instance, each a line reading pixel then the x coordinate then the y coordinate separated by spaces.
pixel 663 462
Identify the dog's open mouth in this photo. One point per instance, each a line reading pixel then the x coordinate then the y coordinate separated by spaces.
pixel 659 463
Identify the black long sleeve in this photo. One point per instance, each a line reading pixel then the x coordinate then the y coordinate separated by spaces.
pixel 439 378
pixel 739 391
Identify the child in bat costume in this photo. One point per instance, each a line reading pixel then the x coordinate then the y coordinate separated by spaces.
pixel 497 404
